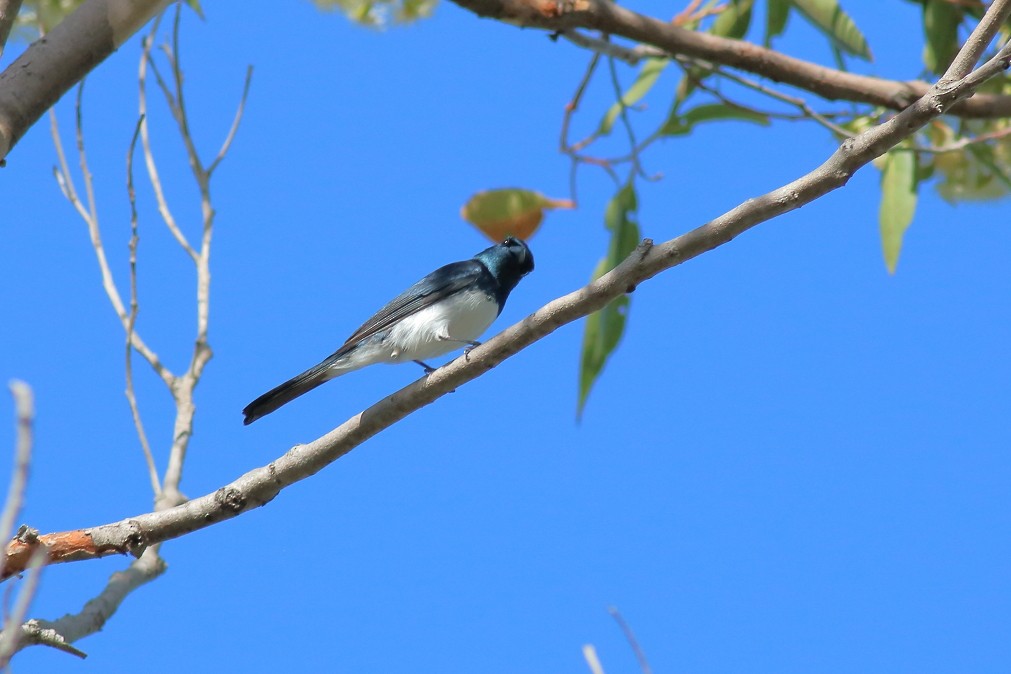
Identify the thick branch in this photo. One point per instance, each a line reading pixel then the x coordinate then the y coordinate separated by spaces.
pixel 607 17
pixel 56 62
pixel 261 485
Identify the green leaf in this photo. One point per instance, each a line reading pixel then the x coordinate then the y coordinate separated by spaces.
pixel 978 172
pixel 195 6
pixel 734 20
pixel 718 111
pixel 776 14
pixel 898 202
pixel 940 26
pixel 677 125
pixel 828 16
pixel 379 13
pixel 647 77
pixel 604 328
pixel 984 154
pixel 510 211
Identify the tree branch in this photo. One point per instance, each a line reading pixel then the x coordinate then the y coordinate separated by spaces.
pixel 261 485
pixel 8 14
pixel 93 616
pixel 607 17
pixel 55 63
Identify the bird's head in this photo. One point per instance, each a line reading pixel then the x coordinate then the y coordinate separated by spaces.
pixel 508 261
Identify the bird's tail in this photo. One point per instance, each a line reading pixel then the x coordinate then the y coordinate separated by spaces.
pixel 288 391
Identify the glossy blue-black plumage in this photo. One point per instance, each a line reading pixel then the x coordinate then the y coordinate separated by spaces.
pixel 424 320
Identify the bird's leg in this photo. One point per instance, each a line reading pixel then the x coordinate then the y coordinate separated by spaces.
pixel 471 345
pixel 428 368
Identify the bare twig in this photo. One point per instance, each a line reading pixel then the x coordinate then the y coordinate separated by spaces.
pixel 149 565
pixel 93 616
pixel 10 637
pixel 625 121
pixel 227 144
pixel 131 396
pixel 570 109
pixel 149 160
pixel 66 183
pixel 34 633
pixel 640 655
pixel 24 406
pixel 25 413
pixel 692 14
pixel 183 390
pixel 799 103
pixel 962 143
pixel 592 661
pixel 630 55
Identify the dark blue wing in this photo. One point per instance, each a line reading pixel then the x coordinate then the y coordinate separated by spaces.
pixel 438 285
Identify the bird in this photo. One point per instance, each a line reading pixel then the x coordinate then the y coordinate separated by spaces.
pixel 446 310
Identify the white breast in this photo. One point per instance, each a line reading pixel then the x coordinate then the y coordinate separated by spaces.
pixel 443 327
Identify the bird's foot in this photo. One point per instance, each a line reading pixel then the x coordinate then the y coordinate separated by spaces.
pixel 470 347
pixel 428 368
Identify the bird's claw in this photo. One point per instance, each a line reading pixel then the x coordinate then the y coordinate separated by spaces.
pixel 470 347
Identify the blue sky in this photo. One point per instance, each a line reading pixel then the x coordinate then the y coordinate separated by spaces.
pixel 794 462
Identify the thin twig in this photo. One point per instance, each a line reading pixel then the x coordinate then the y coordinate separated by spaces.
pixel 131 396
pixel 149 160
pixel 33 632
pixel 65 180
pixel 640 655
pixel 570 110
pixel 798 103
pixel 12 633
pixel 24 406
pixel 225 146
pixel 630 55
pixel 592 661
pixel 182 119
pixel 961 144
pixel 25 413
pixel 623 115
pixel 690 17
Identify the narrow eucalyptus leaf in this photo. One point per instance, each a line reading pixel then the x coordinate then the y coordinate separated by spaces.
pixel 734 20
pixel 898 202
pixel 776 14
pixel 940 27
pixel 829 17
pixel 604 328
